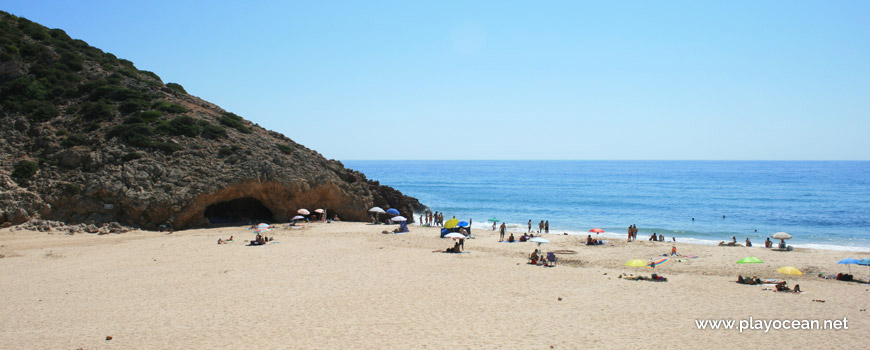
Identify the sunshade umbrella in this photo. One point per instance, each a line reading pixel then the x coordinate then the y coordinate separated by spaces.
pixel 297 217
pixel 636 263
pixel 750 260
pixel 392 211
pixel 789 270
pixel 451 223
pixel 596 230
pixel 493 220
pixel 399 218
pixel 781 235
pixel 539 240
pixel 376 210
pixel 850 262
pixel 864 262
pixel 657 263
pixel 462 224
pixel 303 211
pixel 454 235
pixel 318 211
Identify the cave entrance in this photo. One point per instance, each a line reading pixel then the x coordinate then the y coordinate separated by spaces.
pixel 239 210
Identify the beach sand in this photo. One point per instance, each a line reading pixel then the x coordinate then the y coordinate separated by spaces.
pixel 346 285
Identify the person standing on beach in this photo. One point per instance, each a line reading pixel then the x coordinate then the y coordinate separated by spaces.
pixel 530 226
pixel 547 226
pixel 630 232
pixel 501 230
pixel 540 226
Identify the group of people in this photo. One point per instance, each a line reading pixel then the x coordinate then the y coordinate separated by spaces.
pixel 261 240
pixel 591 241
pixel 632 233
pixel 543 226
pixel 523 238
pixel 537 256
pixel 659 238
pixel 432 219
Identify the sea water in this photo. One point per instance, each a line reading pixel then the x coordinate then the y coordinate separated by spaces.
pixel 822 204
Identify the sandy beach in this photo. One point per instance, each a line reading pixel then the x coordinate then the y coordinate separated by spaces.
pixel 346 285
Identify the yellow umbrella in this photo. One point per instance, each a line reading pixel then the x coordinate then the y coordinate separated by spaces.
pixel 451 223
pixel 636 263
pixel 788 270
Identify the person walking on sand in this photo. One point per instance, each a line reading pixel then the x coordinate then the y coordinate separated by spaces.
pixel 530 226
pixel 501 231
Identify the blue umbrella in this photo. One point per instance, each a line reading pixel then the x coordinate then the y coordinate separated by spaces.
pixel 848 261
pixel 462 224
pixel 865 262
pixel 392 211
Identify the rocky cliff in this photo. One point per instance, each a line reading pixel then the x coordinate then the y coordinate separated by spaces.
pixel 86 137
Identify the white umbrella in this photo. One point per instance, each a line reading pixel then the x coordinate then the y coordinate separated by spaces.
pixel 539 240
pixel 303 211
pixel 399 218
pixel 318 211
pixel 454 235
pixel 376 210
pixel 781 235
pixel 298 217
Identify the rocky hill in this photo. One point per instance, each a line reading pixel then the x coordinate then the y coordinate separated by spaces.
pixel 86 137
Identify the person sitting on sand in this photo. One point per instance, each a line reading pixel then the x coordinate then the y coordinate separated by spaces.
pixel 455 248
pixel 781 244
pixel 768 243
pixel 748 243
pixel 511 238
pixel 661 237
pixel 589 240
pixel 653 237
pixel 533 258
pixel 797 288
pixel 336 218
pixel 782 287
pixel 524 238
pixel 220 241
pixel 674 250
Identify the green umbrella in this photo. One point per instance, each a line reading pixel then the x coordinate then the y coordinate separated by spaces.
pixel 750 260
pixel 493 220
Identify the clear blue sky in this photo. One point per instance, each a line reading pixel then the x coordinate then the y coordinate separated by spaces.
pixel 510 80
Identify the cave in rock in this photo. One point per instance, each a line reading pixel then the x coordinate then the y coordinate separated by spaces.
pixel 237 210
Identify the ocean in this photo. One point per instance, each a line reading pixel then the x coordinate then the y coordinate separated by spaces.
pixel 822 204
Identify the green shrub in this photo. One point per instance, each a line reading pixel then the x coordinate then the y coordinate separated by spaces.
pixel 285 149
pixel 137 134
pixel 166 147
pixel 168 107
pixel 39 111
pixel 24 170
pixel 176 87
pixel 76 140
pixel 212 131
pixel 131 106
pixel 71 189
pixel 97 111
pixel 179 126
pixel 228 150
pixel 150 116
pixel 131 156
pixel 234 121
pixel 151 74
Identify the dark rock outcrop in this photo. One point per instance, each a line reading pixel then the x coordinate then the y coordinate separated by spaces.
pixel 88 138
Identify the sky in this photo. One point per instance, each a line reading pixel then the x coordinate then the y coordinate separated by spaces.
pixel 604 80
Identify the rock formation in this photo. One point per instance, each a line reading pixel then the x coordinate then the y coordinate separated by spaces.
pixel 86 137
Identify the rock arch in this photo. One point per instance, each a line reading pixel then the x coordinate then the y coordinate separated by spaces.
pixel 239 210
